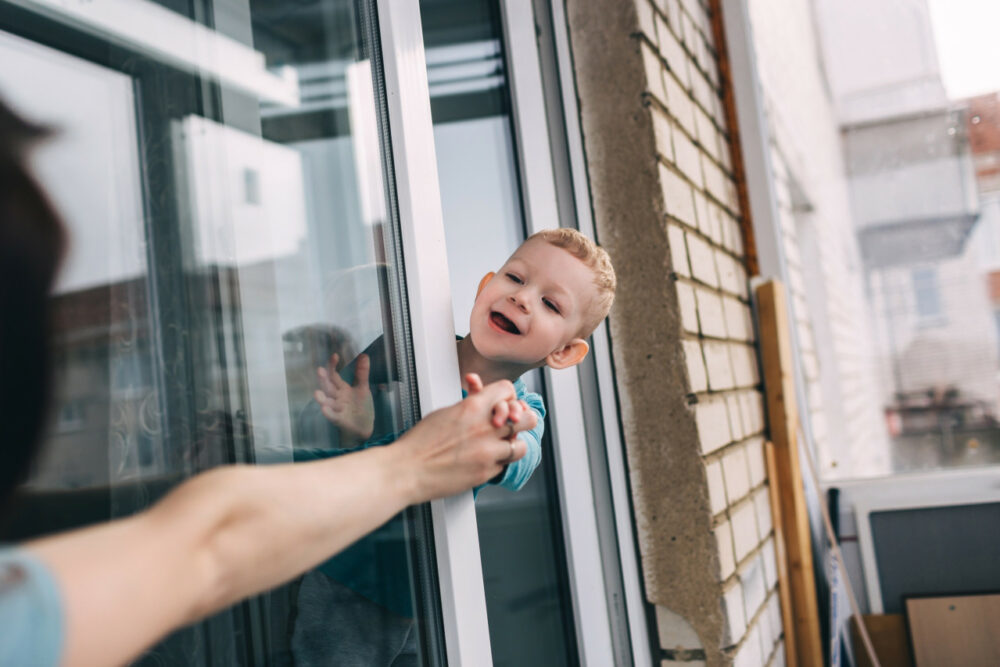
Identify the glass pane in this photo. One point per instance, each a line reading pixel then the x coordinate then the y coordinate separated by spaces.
pixel 520 533
pixel 222 169
pixel 897 245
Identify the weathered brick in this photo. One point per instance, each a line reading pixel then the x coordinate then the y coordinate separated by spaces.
pixel 724 543
pixel 766 633
pixel 647 22
pixel 701 90
pixel 744 523
pixel 744 361
pixel 734 471
pixel 672 52
pixel 735 419
pixel 688 157
pixel 716 182
pixel 754 589
pixel 688 306
pixel 678 250
pixel 712 420
pixel 762 506
pixel 716 487
pixel 654 73
pixel 688 32
pixel 728 273
pixel 748 654
pixel 736 622
pixel 770 564
pixel 720 372
pixel 661 133
pixel 774 611
pixel 738 322
pixel 713 322
pixel 697 375
pixel 679 103
pixel 707 134
pixel 753 416
pixel 674 631
pixel 677 196
pixel 702 260
pixel 673 12
pixel 755 457
pixel 701 208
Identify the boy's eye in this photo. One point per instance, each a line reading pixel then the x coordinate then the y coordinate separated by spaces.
pixel 515 278
pixel 551 306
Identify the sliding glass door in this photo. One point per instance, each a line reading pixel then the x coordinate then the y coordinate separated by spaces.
pixel 232 192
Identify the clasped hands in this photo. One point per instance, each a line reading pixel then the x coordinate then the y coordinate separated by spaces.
pixel 475 438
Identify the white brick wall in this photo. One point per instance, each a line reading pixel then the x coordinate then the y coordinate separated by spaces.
pixel 706 256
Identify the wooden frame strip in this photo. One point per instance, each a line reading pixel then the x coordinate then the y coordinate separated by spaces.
pixel 779 384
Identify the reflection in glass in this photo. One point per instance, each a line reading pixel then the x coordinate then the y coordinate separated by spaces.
pixel 920 158
pixel 223 176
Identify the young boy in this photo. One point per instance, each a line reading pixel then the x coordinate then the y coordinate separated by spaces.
pixel 535 311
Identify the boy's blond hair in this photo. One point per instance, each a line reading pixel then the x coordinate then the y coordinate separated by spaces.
pixel 596 259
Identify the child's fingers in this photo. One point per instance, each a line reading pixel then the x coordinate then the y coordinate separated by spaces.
pixel 361 370
pixel 338 381
pixel 331 364
pixel 501 410
pixel 515 411
pixel 326 400
pixel 325 384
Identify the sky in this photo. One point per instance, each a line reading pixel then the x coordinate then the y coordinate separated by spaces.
pixel 968 39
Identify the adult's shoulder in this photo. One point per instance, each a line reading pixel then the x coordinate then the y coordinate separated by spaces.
pixel 31 613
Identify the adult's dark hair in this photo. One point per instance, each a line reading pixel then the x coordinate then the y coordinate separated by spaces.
pixel 31 246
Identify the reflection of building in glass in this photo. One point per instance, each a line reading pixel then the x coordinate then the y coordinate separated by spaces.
pixel 983 128
pixel 106 425
pixel 916 209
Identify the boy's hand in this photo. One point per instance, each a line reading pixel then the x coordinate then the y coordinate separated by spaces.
pixel 511 410
pixel 349 407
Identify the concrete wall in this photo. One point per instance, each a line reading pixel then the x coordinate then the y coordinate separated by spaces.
pixel 666 209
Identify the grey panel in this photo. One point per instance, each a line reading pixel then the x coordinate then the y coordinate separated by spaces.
pixel 936 551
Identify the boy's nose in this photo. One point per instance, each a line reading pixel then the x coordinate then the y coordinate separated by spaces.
pixel 518 300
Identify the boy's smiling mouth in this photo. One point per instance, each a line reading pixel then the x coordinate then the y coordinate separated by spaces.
pixel 501 322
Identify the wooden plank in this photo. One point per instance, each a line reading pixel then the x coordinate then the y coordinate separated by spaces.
pixel 779 385
pixel 781 556
pixel 957 630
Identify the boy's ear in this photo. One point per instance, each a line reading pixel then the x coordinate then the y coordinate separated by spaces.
pixel 482 283
pixel 568 355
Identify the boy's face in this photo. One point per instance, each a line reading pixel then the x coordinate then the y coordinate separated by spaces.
pixel 532 310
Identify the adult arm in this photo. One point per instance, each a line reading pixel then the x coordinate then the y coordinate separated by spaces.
pixel 240 530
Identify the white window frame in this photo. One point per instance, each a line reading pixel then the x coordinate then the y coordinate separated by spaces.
pixel 577 501
pixel 938 488
pixel 631 573
pixel 456 537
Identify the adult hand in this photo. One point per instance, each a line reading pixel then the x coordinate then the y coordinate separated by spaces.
pixel 457 448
